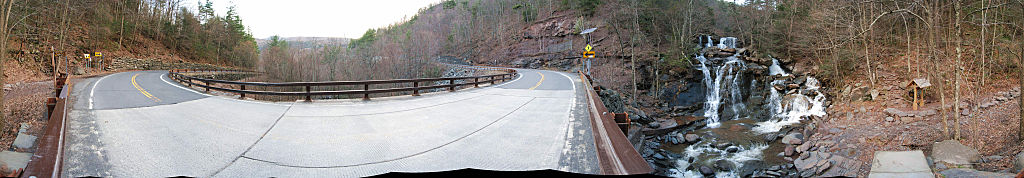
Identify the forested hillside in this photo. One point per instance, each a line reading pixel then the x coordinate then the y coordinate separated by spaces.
pixel 841 38
pixel 844 42
pixel 43 36
pixel 162 29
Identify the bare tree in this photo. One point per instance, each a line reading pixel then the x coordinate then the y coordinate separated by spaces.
pixel 958 71
pixel 632 46
pixel 5 32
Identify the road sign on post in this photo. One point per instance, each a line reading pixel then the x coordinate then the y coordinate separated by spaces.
pixel 100 55
pixel 87 60
pixel 588 54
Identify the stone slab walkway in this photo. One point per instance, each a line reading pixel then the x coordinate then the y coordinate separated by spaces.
pixel 905 164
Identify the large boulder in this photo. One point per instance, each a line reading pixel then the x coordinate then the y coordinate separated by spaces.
pixel 612 100
pixel 724 165
pixel 1019 161
pixel 692 138
pixel 793 139
pixel 951 151
pixel 707 171
pixel 24 141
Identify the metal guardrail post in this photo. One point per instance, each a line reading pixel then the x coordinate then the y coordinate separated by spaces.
pixel 416 92
pixel 309 97
pixel 476 82
pixel 622 120
pixel 492 80
pixel 243 88
pixel 451 83
pixel 207 86
pixel 366 96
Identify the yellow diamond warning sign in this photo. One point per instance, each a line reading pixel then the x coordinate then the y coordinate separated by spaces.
pixel 590 51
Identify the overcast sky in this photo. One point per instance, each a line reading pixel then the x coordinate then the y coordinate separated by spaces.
pixel 317 18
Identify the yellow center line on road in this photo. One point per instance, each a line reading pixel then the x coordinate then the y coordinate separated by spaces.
pixel 538 82
pixel 143 91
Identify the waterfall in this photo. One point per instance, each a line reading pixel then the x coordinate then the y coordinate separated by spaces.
pixel 712 98
pixel 736 99
pixel 729 83
pixel 727 42
pixel 775 69
pixel 709 43
pixel 799 106
pixel 725 77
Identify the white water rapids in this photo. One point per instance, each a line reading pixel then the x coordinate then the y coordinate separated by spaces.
pixel 724 82
pixel 799 104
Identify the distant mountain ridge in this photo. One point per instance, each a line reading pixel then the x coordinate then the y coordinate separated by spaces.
pixel 308 42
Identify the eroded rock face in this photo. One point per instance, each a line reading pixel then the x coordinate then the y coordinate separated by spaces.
pixel 951 151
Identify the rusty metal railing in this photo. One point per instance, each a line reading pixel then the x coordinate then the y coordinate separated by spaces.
pixel 47 161
pixel 615 154
pixel 207 84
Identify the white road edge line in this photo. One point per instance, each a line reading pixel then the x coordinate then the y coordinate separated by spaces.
pixel 568 125
pixel 519 76
pixel 204 94
pixel 183 88
pixel 92 91
pixel 573 82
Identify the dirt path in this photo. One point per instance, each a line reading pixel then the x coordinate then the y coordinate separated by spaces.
pixel 988 124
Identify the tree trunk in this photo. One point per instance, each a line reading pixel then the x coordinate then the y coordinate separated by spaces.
pixel 1020 103
pixel 1020 75
pixel 959 72
pixel 3 80
pixel 984 20
pixel 120 34
pixel 64 28
pixel 632 46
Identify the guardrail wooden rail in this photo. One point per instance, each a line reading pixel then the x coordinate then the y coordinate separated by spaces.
pixel 205 83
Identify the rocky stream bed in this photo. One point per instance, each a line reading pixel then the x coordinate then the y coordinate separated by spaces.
pixel 735 115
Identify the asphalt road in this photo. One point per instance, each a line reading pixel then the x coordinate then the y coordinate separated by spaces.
pixel 142 124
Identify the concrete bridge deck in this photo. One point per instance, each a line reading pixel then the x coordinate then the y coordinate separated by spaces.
pixel 142 124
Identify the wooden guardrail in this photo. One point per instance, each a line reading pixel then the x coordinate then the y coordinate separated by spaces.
pixel 615 154
pixel 178 74
pixel 47 161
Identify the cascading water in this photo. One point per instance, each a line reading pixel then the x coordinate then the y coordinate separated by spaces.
pixel 793 108
pixel 709 42
pixel 727 76
pixel 758 102
pixel 727 42
pixel 775 69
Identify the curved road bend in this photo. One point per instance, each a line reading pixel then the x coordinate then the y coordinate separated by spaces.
pixel 142 124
